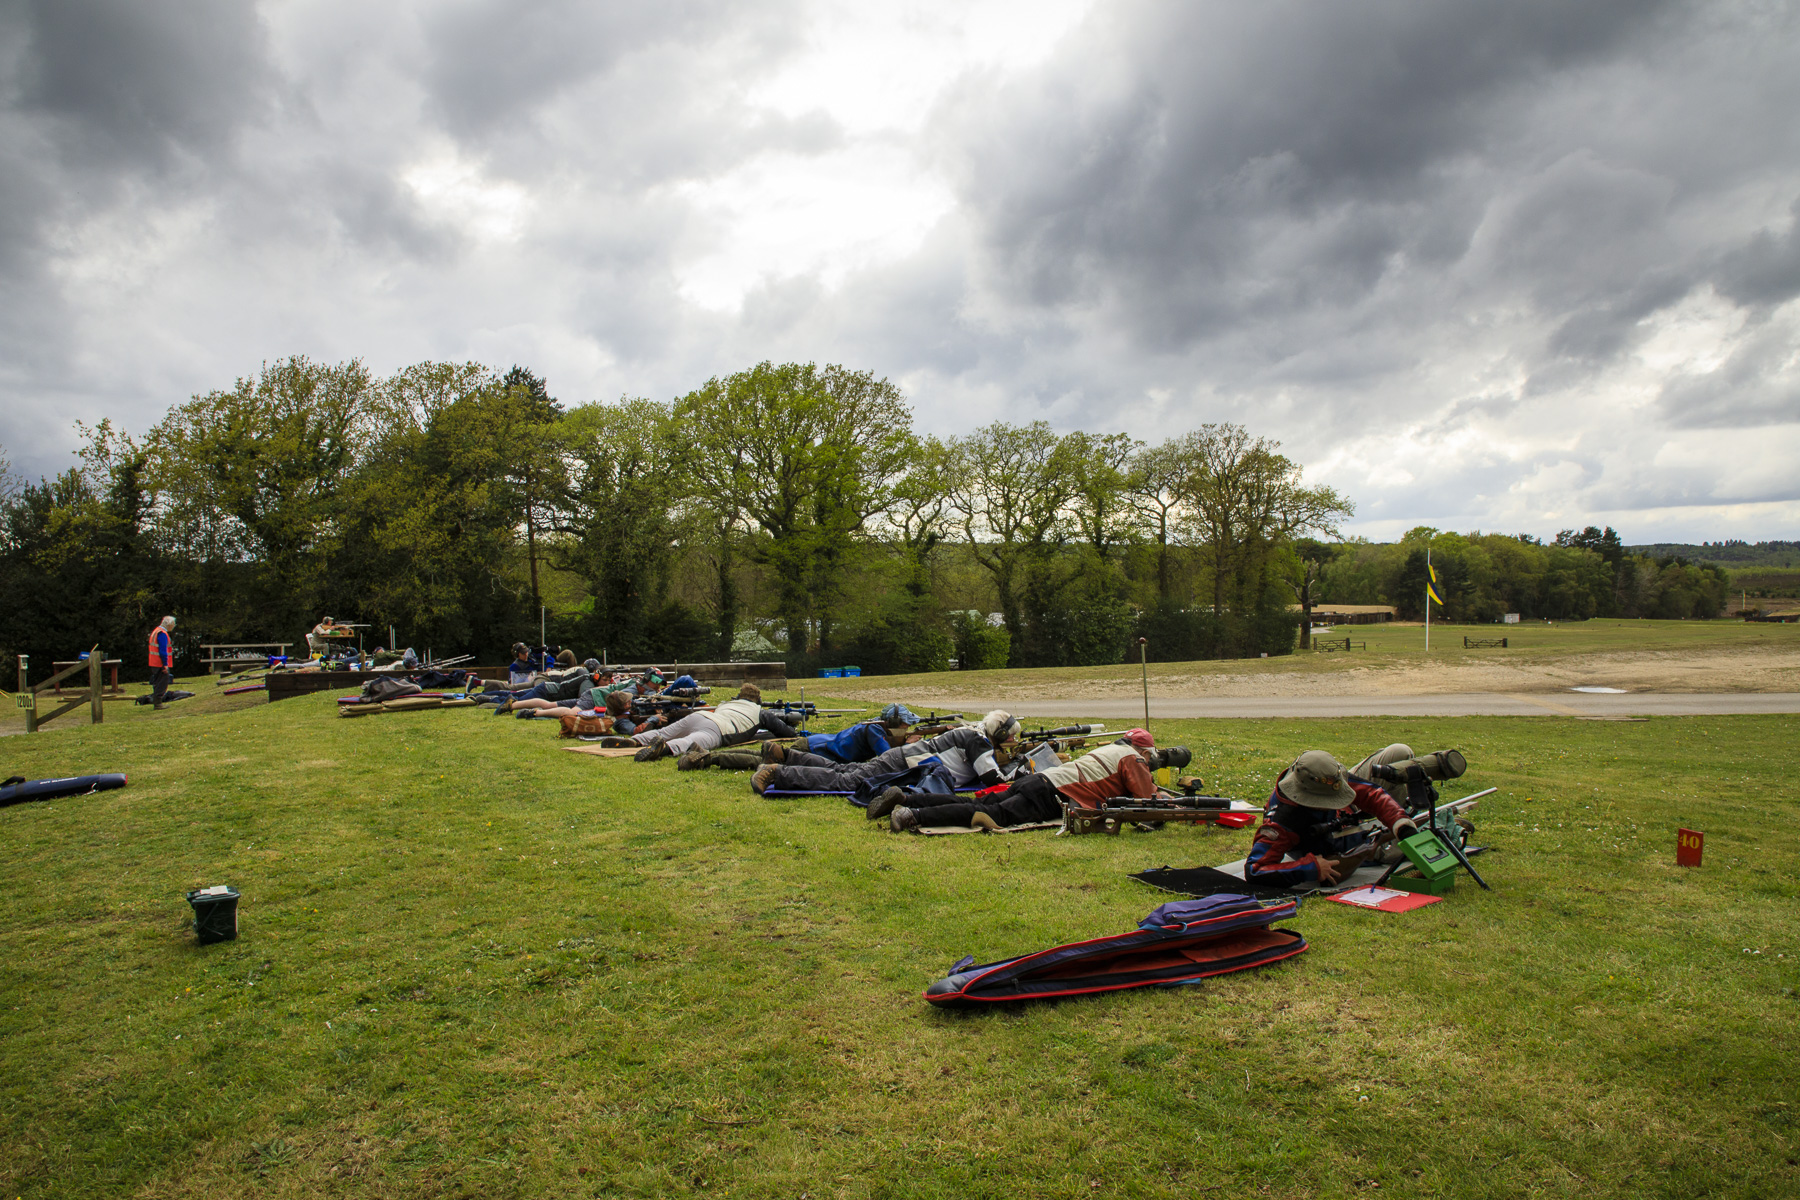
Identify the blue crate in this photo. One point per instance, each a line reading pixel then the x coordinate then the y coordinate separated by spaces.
pixel 831 672
pixel 851 672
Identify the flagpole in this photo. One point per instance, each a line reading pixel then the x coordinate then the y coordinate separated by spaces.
pixel 1428 597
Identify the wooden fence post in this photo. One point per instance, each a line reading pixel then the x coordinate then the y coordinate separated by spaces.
pixel 25 694
pixel 96 665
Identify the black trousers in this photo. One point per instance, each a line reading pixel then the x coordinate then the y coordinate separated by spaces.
pixel 1026 802
pixel 160 679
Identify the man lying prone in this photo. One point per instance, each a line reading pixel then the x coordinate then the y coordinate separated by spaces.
pixel 1121 768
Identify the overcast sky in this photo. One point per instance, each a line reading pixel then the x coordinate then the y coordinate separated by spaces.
pixel 1510 266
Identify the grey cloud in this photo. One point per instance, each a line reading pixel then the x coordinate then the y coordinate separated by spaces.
pixel 1766 270
pixel 492 62
pixel 138 84
pixel 1759 384
pixel 1294 172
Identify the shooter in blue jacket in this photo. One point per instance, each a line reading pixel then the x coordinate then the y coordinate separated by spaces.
pixel 162 661
pixel 866 739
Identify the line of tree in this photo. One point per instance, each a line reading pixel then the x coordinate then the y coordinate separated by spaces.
pixel 790 502
pixel 1578 575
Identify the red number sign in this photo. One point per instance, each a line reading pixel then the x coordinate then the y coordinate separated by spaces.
pixel 1687 847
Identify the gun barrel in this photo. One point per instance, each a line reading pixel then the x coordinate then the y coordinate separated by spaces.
pixel 1066 731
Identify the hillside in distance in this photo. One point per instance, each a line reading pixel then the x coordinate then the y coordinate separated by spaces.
pixel 1728 553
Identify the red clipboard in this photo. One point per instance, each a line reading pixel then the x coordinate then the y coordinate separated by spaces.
pixel 1380 899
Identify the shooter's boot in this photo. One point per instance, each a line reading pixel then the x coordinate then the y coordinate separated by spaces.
pixel 772 751
pixel 765 775
pixel 734 760
pixel 884 804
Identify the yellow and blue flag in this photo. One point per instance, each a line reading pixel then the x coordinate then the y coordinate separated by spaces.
pixel 1431 584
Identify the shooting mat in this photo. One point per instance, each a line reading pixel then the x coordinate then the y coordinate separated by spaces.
pixel 604 751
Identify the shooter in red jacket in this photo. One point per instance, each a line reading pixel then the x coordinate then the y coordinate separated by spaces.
pixel 1309 833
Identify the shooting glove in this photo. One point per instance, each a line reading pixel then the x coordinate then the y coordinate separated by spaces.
pixel 1404 828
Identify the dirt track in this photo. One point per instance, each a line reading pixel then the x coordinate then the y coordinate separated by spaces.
pixel 1677 671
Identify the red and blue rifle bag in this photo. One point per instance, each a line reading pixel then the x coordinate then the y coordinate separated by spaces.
pixel 1179 943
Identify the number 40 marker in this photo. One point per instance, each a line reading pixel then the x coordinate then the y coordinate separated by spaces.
pixel 1687 847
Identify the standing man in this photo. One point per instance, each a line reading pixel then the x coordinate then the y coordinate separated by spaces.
pixel 162 661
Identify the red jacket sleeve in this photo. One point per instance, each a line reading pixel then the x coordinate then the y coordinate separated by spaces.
pixel 1377 803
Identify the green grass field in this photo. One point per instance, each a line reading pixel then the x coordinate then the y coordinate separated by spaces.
pixel 1395 645
pixel 472 964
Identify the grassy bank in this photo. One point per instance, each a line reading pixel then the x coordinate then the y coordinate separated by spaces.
pixel 1393 645
pixel 473 965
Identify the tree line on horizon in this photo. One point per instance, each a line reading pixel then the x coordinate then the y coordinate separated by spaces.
pixel 789 508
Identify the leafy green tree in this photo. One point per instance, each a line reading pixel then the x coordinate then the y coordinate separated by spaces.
pixel 619 522
pixel 1010 488
pixel 808 456
pixel 431 517
pixel 255 471
pixel 1305 563
pixel 533 466
pixel 1154 485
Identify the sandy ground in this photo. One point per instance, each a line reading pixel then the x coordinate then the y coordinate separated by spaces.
pixel 1639 671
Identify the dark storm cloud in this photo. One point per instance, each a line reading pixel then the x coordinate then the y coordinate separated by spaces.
pixel 1766 271
pixel 1185 172
pixel 133 84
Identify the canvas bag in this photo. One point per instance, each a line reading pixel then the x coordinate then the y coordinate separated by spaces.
pixel 1180 943
pixel 586 725
pixel 388 688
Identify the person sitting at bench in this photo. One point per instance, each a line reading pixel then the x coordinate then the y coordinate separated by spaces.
pixel 967 753
pixel 701 731
pixel 321 636
pixel 1310 831
pixel 1036 797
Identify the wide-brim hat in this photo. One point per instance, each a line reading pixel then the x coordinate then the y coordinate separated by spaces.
pixel 1316 780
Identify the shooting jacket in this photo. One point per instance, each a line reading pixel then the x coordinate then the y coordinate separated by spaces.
pixel 966 753
pixel 1098 763
pixel 570 683
pixel 1132 778
pixel 736 716
pixel 1307 833
pixel 859 743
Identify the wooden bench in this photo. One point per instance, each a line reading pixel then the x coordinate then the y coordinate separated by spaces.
pixel 246 652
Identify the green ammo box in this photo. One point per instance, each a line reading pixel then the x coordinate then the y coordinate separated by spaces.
pixel 1426 887
pixel 1429 856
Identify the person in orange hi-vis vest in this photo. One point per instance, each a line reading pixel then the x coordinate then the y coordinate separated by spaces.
pixel 162 661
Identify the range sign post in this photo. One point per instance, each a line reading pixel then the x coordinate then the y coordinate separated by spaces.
pixel 1687 847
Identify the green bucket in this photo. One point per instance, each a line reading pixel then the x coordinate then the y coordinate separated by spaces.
pixel 215 913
